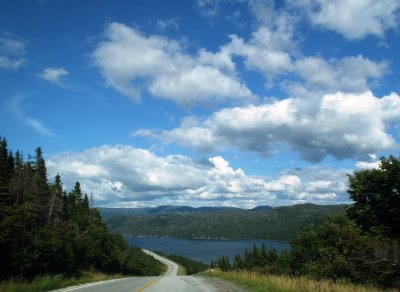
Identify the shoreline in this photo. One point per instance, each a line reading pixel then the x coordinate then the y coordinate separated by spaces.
pixel 205 238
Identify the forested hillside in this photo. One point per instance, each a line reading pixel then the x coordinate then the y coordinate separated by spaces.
pixel 46 230
pixel 279 223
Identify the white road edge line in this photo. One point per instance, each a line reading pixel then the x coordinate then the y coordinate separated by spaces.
pixel 87 285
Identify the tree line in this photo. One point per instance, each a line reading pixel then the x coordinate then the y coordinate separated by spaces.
pixel 362 245
pixel 46 230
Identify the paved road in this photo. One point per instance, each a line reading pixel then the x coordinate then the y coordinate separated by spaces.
pixel 172 268
pixel 169 282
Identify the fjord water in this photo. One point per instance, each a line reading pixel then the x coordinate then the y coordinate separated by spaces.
pixel 201 249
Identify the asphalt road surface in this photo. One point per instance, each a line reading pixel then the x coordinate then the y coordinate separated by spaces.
pixel 169 282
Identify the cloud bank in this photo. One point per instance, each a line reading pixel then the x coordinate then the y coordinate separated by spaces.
pixel 340 125
pixel 128 176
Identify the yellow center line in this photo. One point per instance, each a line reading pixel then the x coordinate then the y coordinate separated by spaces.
pixel 149 284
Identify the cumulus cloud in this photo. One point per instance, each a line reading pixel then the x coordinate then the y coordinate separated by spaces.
pixel 352 19
pixel 269 48
pixel 340 125
pixel 263 10
pixel 128 176
pixel 348 74
pixel 12 53
pixel 131 62
pixel 54 75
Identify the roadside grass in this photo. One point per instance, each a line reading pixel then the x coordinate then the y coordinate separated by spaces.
pixel 257 282
pixel 182 271
pixel 47 282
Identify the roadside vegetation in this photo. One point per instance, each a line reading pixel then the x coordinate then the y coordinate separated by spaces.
pixel 52 282
pixel 361 246
pixel 46 231
pixel 257 282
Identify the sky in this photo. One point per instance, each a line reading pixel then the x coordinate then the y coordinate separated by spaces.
pixel 202 103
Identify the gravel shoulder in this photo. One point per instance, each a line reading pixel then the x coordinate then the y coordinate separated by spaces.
pixel 222 285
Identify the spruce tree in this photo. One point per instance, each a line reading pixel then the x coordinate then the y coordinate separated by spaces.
pixel 41 192
pixel 56 203
pixel 4 175
pixel 264 255
pixel 18 181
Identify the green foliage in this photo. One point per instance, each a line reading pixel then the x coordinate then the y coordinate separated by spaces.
pixel 376 193
pixel 44 230
pixel 279 223
pixel 340 250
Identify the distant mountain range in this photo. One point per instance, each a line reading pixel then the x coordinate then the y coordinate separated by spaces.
pixel 107 213
pixel 264 222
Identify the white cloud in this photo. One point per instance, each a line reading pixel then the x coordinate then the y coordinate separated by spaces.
pixel 12 46
pixel 127 176
pixel 368 165
pixel 12 53
pixel 263 10
pixel 208 8
pixel 167 23
pixel 321 77
pixel 353 19
pixel 268 50
pixel 37 126
pixel 16 105
pixel 339 125
pixel 8 63
pixel 54 75
pixel 131 63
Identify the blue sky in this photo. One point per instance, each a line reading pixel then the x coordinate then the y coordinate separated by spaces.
pixel 202 103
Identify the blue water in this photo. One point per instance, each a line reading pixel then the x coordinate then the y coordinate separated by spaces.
pixel 201 249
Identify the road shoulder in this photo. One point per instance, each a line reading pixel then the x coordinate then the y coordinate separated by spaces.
pixel 222 285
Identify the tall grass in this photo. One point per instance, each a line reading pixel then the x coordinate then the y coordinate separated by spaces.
pixel 47 283
pixel 258 282
pixel 182 271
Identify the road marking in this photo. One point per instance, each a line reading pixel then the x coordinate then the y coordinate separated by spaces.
pixel 149 284
pixel 66 289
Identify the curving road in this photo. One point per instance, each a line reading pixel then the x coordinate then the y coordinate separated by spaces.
pixel 170 281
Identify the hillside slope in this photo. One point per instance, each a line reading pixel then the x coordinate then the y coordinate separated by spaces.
pixel 280 223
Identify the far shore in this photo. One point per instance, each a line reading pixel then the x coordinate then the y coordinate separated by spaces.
pixel 205 238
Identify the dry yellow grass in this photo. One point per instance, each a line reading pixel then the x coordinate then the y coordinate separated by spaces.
pixel 47 283
pixel 257 282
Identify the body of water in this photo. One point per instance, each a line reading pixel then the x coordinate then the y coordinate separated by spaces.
pixel 201 249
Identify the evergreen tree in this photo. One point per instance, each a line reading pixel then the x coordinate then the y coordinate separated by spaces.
pixel 238 263
pixel 263 255
pixel 78 193
pixel 255 256
pixel 5 173
pixel 223 263
pixel 56 202
pixel 17 183
pixel 40 191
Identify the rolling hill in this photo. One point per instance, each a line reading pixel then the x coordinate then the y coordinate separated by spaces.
pixel 279 223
